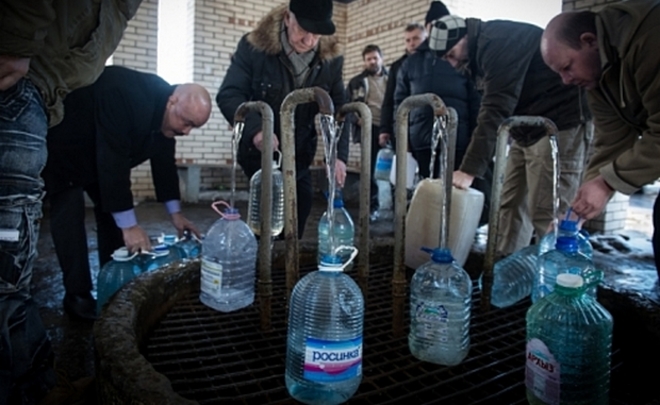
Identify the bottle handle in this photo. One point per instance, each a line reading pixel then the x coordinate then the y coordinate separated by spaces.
pixel 343 265
pixel 279 159
pixel 592 278
pixel 222 214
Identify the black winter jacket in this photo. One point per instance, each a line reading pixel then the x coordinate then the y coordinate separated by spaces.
pixel 387 110
pixel 424 72
pixel 506 64
pixel 260 71
pixel 109 128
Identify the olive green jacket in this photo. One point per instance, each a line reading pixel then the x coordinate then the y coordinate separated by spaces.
pixel 68 42
pixel 626 104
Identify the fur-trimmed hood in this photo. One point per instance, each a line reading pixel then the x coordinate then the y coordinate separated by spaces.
pixel 266 37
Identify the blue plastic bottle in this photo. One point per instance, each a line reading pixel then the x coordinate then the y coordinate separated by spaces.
pixel 161 255
pixel 568 228
pixel 324 340
pixel 569 341
pixel 513 277
pixel 440 306
pixel 344 230
pixel 384 160
pixel 565 258
pixel 171 241
pixel 114 274
pixel 189 245
pixel 229 256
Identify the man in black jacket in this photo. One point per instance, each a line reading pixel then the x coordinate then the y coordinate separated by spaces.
pixel 291 48
pixel 504 59
pixel 123 119
pixel 369 87
pixel 414 35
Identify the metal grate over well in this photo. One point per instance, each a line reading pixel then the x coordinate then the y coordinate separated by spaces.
pixel 213 357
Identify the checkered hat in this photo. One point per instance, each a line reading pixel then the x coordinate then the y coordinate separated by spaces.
pixel 446 32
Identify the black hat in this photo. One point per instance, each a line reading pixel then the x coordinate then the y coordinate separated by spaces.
pixel 314 16
pixel 446 32
pixel 436 10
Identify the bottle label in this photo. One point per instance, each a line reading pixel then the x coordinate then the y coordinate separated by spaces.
pixel 331 361
pixel 384 165
pixel 542 372
pixel 431 321
pixel 211 278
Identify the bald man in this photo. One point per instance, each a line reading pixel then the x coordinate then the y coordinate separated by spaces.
pixel 613 54
pixel 122 120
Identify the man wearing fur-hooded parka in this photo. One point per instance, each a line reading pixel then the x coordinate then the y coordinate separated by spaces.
pixel 292 47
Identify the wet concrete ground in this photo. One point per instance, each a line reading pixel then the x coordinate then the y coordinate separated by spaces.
pixel 627 259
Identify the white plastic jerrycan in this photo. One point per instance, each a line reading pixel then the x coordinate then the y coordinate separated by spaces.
pixel 423 221
pixel 411 165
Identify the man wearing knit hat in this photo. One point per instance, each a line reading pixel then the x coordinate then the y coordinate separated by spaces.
pixel 504 59
pixel 292 47
pixel 425 72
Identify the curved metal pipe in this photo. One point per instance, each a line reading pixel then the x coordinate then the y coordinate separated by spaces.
pixel 288 147
pixel 503 133
pixel 265 284
pixel 365 184
pixel 399 276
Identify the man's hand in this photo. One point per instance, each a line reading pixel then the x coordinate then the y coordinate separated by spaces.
pixel 462 180
pixel 340 173
pixel 181 224
pixel 259 139
pixel 591 198
pixel 383 139
pixel 136 239
pixel 12 69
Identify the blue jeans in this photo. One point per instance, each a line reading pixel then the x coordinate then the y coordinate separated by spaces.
pixel 25 352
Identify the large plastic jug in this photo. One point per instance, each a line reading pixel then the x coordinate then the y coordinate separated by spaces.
pixel 411 170
pixel 569 344
pixel 423 221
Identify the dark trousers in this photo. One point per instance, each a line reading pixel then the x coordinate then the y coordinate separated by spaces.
pixel 67 228
pixel 656 233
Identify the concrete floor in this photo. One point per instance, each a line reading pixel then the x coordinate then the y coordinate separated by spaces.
pixel 73 343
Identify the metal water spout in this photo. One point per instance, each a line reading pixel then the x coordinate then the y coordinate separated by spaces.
pixel 399 290
pixel 288 144
pixel 503 133
pixel 265 285
pixel 365 182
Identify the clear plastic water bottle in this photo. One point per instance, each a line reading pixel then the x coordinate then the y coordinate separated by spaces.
pixel 190 246
pixel 567 228
pixel 324 340
pixel 569 342
pixel 114 274
pixel 254 208
pixel 513 277
pixel 565 258
pixel 343 230
pixel 229 256
pixel 161 255
pixel 440 306
pixel 384 160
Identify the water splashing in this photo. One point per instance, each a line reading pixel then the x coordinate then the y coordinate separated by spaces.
pixel 235 141
pixel 554 151
pixel 329 135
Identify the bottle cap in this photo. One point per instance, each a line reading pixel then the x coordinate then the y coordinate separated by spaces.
pixel 330 263
pixel 568 225
pixel 569 280
pixel 567 244
pixel 169 239
pixel 161 250
pixel 439 255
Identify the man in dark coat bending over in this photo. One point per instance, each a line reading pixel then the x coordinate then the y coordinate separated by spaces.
pixel 120 121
